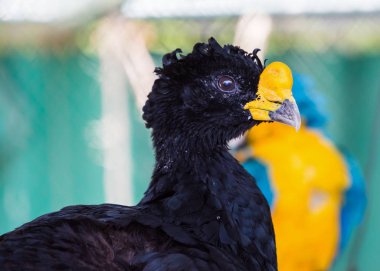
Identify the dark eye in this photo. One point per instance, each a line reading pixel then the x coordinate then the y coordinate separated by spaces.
pixel 226 83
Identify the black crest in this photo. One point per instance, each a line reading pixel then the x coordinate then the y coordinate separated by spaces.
pixel 172 63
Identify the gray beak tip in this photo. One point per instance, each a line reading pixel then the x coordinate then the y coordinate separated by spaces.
pixel 288 114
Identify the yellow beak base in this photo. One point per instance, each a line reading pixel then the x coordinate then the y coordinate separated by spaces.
pixel 274 100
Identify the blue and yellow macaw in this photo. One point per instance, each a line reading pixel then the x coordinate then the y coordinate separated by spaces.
pixel 316 191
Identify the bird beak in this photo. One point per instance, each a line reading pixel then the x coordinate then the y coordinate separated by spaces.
pixel 274 100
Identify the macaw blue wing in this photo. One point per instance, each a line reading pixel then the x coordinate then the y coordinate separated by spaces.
pixel 259 170
pixel 355 201
pixel 310 103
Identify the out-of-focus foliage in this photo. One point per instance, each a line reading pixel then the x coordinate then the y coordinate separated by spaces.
pixel 43 39
pixel 185 33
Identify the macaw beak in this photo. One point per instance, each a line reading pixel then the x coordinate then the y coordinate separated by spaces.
pixel 274 100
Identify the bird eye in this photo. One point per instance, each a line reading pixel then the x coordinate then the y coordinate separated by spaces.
pixel 226 83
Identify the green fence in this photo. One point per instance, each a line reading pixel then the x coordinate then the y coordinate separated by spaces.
pixel 47 103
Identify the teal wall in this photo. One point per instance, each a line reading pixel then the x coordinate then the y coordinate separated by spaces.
pixel 47 103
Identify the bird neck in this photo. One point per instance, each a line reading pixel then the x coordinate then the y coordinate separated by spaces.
pixel 216 199
pixel 212 174
pixel 193 176
pixel 185 150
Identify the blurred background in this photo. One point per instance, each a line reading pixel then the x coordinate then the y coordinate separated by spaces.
pixel 75 74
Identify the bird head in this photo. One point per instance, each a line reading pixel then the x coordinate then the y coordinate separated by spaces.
pixel 216 93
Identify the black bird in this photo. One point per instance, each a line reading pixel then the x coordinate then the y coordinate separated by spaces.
pixel 202 210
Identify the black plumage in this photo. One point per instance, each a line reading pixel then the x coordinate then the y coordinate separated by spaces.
pixel 202 210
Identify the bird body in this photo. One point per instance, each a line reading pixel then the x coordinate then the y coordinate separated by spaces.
pixel 202 210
